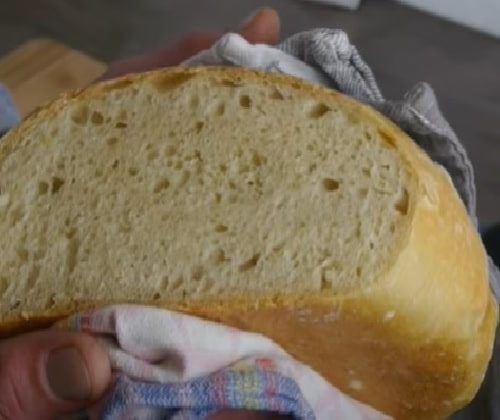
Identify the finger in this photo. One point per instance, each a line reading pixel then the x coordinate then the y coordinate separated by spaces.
pixel 262 27
pixel 165 57
pixel 49 373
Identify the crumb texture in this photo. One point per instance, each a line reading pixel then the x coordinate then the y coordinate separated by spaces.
pixel 195 188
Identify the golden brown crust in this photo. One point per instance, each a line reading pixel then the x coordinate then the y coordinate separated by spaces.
pixel 418 340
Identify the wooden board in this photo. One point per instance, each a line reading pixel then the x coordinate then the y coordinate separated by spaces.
pixel 42 69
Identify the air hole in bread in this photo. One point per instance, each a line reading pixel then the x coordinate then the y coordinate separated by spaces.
pixel 33 276
pixel 80 115
pixel 221 228
pixel 245 101
pixel 153 155
pixel 125 228
pixel 115 164
pixel 16 215
pixel 133 171
pixel 363 192
pixel 111 141
pixel 230 83
pixel 199 126
pixel 318 110
pixel 402 204
pixel 161 185
pixel 121 124
pixel 197 273
pixel 57 183
pixel 325 284
pixel 51 301
pixel 250 263
pixel 221 109
pixel 194 102
pixel 165 282
pixel 97 118
pixel 258 159
pixel 279 247
pixel 276 94
pixel 170 150
pixel 329 184
pixel 43 188
pixel 22 254
pixel 219 256
pixel 156 296
pixel 4 285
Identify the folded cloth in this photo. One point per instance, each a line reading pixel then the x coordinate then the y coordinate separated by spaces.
pixel 180 367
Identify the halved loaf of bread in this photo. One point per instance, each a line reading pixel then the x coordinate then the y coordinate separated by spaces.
pixel 261 202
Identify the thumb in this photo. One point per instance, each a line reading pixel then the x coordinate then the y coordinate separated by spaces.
pixel 49 373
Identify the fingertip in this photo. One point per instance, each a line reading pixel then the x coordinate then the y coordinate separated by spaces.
pixel 262 27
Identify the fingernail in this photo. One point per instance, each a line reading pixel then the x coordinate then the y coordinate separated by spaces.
pixel 67 374
pixel 250 17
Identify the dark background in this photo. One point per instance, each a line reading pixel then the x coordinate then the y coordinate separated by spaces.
pixel 402 45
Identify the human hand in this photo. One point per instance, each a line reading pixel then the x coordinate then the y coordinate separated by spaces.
pixel 262 27
pixel 47 374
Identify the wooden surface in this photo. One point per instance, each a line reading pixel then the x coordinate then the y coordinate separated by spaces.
pixel 41 69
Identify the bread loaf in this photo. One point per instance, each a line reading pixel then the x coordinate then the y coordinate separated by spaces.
pixel 261 202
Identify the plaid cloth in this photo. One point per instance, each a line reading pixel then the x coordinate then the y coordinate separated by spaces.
pixel 244 386
pixel 174 366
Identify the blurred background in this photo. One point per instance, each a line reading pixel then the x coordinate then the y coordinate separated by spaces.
pixel 402 44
